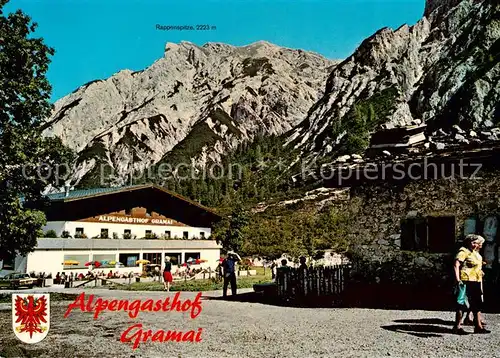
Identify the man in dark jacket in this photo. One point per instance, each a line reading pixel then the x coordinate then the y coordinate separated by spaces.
pixel 229 266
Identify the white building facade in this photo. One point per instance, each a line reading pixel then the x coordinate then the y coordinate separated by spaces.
pixel 54 255
pixel 93 230
pixel 118 227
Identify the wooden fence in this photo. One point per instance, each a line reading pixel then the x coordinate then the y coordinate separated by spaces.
pixel 311 282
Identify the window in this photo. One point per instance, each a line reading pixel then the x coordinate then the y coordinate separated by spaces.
pixel 104 234
pixel 9 263
pixel 413 234
pixel 175 257
pixel 79 233
pixel 75 261
pixel 154 258
pixel 105 260
pixel 129 260
pixel 202 235
pixel 127 234
pixel 149 233
pixel 434 234
pixel 441 234
pixel 168 234
pixel 185 235
pixel 192 256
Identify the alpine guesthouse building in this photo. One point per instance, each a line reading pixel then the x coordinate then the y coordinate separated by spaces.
pixel 119 227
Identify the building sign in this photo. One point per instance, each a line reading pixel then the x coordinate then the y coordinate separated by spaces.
pixel 130 220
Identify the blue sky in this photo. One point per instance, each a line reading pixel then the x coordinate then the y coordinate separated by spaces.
pixel 94 39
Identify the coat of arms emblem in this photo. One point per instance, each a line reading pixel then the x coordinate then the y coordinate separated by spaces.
pixel 31 316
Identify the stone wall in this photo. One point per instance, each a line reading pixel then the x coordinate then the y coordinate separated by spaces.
pixel 378 210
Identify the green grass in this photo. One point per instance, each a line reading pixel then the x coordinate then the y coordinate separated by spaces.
pixel 7 297
pixel 197 285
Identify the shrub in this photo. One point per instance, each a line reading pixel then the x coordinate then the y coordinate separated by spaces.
pixel 51 234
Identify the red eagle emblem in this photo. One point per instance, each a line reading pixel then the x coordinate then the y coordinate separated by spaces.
pixel 30 313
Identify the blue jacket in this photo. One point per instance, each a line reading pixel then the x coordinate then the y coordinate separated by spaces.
pixel 229 266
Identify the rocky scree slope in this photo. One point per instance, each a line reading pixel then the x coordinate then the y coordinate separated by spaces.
pixel 194 104
pixel 443 71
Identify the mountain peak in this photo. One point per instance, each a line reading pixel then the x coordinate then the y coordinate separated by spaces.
pixel 443 5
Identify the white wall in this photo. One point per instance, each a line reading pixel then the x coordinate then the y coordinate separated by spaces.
pixel 51 261
pixel 94 229
pixel 57 226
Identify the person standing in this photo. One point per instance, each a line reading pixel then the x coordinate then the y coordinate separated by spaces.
pixel 302 261
pixel 469 317
pixel 273 270
pixel 469 274
pixel 156 273
pixel 229 265
pixel 167 274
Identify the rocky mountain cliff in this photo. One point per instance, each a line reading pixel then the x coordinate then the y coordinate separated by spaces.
pixel 197 103
pixel 444 71
pixel 193 104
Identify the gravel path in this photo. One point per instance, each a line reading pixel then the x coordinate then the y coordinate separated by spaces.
pixel 241 329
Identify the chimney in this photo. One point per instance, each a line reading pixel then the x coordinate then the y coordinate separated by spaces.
pixel 66 189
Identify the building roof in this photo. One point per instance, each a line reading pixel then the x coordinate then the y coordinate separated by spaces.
pixel 79 204
pixel 90 193
pixel 83 193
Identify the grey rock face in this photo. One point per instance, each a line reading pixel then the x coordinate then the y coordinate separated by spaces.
pixel 444 70
pixel 228 94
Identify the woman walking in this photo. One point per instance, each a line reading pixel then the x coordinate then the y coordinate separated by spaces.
pixel 469 317
pixel 167 274
pixel 469 275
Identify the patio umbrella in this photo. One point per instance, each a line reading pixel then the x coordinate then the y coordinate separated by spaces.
pixel 93 263
pixel 142 262
pixel 190 259
pixel 71 262
pixel 115 263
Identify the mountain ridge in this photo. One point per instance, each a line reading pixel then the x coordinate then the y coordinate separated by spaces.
pixel 197 103
pixel 415 62
pixel 267 85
